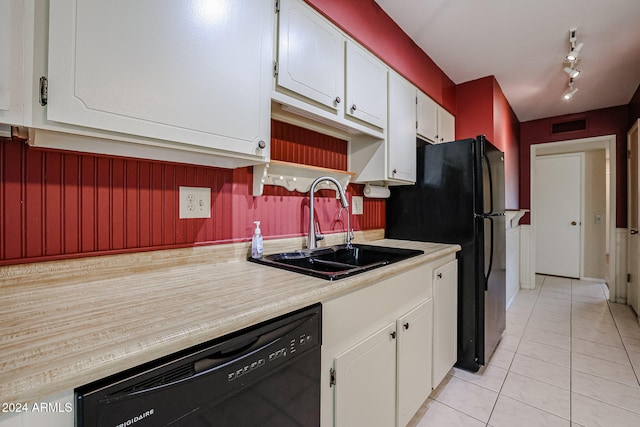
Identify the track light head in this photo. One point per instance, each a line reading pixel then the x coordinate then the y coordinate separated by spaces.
pixel 574 54
pixel 573 73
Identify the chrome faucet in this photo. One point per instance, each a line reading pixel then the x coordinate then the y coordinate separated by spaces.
pixel 313 236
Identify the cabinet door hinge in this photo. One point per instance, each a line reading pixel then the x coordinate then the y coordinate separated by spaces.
pixel 275 68
pixel 332 377
pixel 628 154
pixel 628 277
pixel 277 6
pixel 44 91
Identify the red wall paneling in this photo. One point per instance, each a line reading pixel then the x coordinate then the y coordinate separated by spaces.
pixel 56 204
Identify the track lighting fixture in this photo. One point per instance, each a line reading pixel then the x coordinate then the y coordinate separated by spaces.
pixel 571 62
pixel 573 73
pixel 574 53
pixel 571 91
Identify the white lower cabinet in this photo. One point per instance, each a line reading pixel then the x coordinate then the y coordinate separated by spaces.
pixel 377 350
pixel 415 343
pixel 366 393
pixel 445 320
pixel 384 379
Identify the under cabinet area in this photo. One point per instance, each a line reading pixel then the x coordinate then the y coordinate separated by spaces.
pixel 378 346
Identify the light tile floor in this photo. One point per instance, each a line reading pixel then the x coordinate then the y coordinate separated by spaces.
pixel 568 358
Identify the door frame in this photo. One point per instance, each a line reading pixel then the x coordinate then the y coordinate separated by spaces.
pixel 581 244
pixel 617 291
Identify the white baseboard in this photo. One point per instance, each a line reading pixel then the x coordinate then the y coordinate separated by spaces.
pixel 527 276
pixel 621 266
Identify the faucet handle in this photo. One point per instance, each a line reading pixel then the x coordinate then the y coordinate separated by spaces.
pixel 319 235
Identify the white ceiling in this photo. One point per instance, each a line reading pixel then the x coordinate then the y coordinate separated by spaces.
pixel 523 44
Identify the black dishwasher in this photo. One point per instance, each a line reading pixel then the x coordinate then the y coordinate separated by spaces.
pixel 266 375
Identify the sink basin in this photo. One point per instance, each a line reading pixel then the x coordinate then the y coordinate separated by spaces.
pixel 337 262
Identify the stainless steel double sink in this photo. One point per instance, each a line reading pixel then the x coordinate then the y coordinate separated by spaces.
pixel 337 262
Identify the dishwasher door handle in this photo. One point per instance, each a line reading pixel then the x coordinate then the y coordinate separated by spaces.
pixel 250 346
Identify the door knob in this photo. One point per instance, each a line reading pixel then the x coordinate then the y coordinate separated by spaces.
pixel 573 223
pixel 634 231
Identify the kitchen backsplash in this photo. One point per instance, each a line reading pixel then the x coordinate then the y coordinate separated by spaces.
pixel 56 205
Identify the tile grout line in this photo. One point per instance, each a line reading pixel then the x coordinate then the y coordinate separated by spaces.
pixel 624 345
pixel 515 352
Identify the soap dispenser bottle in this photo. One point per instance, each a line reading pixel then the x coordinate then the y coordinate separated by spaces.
pixel 256 242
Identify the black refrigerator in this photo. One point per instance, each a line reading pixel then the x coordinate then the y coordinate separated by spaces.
pixel 459 198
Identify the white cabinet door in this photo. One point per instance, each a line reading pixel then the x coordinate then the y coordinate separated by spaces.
pixel 427 117
pixel 191 71
pixel 365 393
pixel 434 122
pixel 445 320
pixel 401 132
pixel 366 87
pixel 310 55
pixel 11 62
pixel 415 335
pixel 446 125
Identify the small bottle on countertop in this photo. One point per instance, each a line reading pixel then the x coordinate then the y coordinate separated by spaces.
pixel 256 242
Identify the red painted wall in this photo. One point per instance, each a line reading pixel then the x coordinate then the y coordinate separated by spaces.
pixel 607 121
pixel 484 110
pixel 56 204
pixel 367 23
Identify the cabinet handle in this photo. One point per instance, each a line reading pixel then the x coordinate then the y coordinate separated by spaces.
pixel 337 100
pixel 573 223
pixel 395 171
pixel 439 275
pixel 261 144
pixel 406 325
pixel 393 335
pixel 353 107
pixel 634 231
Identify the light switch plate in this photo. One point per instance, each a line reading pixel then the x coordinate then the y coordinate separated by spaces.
pixel 357 203
pixel 195 202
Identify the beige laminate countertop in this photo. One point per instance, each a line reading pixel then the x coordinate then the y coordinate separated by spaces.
pixel 67 323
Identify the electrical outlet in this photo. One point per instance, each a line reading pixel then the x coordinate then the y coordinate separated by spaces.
pixel 195 202
pixel 357 203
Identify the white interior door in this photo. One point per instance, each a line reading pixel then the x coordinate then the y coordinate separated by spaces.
pixel 633 211
pixel 558 213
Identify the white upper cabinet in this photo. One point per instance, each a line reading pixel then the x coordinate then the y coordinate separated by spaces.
pixel 11 62
pixel 366 86
pixel 310 55
pixel 434 122
pixel 192 72
pixel 393 159
pixel 401 134
pixel 323 75
pixel 446 125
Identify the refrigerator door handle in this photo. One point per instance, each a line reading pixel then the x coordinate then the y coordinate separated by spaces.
pixel 486 279
pixel 490 184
